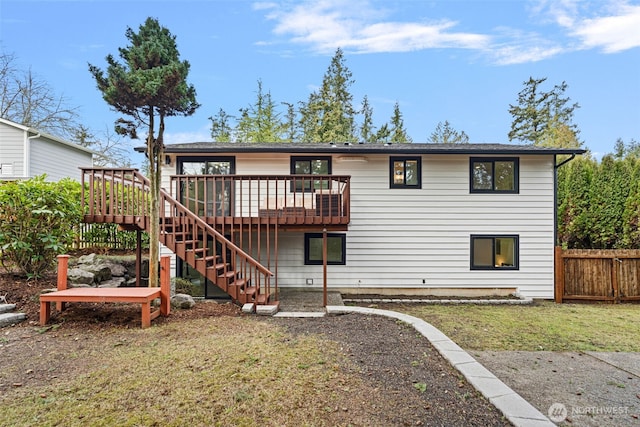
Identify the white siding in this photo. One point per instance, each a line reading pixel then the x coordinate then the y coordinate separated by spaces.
pixel 419 239
pixel 56 160
pixel 11 151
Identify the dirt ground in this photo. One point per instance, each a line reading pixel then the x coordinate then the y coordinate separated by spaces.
pixel 389 355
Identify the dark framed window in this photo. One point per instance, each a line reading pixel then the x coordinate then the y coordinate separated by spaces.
pixel 336 249
pixel 318 165
pixel 494 175
pixel 405 172
pixel 495 252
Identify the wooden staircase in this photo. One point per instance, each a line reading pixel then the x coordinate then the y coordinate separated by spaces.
pixel 121 196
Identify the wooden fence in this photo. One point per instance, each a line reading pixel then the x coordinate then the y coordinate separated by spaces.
pixel 597 275
pixel 106 236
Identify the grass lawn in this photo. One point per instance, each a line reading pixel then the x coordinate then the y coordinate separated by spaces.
pixel 227 371
pixel 543 325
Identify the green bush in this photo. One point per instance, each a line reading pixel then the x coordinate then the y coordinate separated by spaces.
pixel 37 222
pixel 184 286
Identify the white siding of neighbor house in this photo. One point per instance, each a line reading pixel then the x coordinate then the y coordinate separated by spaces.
pixel 419 239
pixel 56 160
pixel 11 151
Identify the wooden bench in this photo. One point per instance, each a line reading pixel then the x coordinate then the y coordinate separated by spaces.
pixel 142 296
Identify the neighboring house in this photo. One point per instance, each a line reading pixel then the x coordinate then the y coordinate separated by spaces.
pixel 26 152
pixel 401 219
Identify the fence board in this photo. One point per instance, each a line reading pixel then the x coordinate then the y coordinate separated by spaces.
pixel 598 275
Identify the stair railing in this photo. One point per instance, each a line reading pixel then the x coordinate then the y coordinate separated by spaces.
pixel 122 196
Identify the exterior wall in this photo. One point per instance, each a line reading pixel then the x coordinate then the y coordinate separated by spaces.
pixel 11 152
pixel 417 241
pixel 57 160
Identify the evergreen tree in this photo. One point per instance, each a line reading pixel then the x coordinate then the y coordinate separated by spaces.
pixel 220 127
pixel 398 132
pixel 328 115
pixel 261 122
pixel 290 127
pixel 539 117
pixel 150 83
pixel 446 134
pixel 366 128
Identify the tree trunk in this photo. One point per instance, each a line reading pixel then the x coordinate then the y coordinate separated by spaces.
pixel 154 215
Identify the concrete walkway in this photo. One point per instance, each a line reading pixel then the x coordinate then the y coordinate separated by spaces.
pixel 515 408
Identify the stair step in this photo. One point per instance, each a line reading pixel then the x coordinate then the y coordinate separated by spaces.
pixel 228 275
pixel 5 308
pixel 7 319
pixel 251 290
pixel 218 266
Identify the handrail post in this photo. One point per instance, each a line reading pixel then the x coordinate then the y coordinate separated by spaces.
pixel 165 285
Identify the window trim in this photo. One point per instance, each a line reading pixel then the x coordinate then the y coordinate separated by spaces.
pixel 493 160
pixel 180 160
pixel 309 236
pixel 493 267
pixel 393 159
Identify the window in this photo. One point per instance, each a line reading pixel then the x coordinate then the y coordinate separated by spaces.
pixel 336 249
pixel 494 252
pixel 405 172
pixel 494 175
pixel 310 166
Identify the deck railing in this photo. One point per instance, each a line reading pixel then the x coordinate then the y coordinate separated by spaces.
pixel 320 199
pixel 122 196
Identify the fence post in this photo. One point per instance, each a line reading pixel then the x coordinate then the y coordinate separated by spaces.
pixel 614 280
pixel 559 275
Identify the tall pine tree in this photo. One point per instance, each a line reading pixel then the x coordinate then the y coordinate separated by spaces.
pixel 150 83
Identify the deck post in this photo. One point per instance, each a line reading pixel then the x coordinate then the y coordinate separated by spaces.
pixel 138 258
pixel 324 267
pixel 63 265
pixel 165 285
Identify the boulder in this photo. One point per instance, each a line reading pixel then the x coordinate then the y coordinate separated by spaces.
pixel 182 301
pixel 117 270
pixel 115 282
pixel 101 271
pixel 77 276
pixel 87 259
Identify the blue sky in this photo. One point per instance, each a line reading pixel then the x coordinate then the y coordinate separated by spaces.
pixel 463 61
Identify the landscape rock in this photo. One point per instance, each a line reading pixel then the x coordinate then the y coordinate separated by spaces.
pixel 87 259
pixel 182 301
pixel 100 271
pixel 115 282
pixel 117 269
pixel 77 276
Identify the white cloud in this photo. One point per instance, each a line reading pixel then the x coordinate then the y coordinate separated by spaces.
pixel 614 27
pixel 357 27
pixel 614 33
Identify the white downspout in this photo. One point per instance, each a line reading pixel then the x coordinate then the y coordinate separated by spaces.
pixel 27 153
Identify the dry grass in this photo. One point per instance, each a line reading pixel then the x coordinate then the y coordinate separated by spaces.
pixel 225 372
pixel 541 326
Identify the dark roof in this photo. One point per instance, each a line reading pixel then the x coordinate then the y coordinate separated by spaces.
pixel 327 148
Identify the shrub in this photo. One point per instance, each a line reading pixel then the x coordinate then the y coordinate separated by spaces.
pixel 184 286
pixel 37 222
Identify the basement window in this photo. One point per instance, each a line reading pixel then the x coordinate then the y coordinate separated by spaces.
pixel 336 248
pixel 495 252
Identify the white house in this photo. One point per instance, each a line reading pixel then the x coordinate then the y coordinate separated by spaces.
pixel 26 152
pixel 400 219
